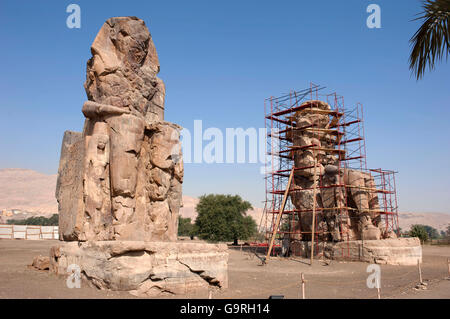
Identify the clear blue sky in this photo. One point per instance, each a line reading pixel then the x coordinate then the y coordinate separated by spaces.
pixel 219 60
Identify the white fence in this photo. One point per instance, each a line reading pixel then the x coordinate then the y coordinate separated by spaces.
pixel 28 232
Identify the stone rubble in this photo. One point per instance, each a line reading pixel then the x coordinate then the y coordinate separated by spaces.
pixel 41 262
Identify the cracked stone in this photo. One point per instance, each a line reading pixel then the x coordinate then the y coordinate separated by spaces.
pixel 146 268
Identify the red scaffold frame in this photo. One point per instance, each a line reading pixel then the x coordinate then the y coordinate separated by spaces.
pixel 347 125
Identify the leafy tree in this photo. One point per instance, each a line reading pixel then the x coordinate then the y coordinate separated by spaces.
pixel 249 228
pixel 185 227
pixel 432 41
pixel 419 231
pixel 223 218
pixel 431 231
pixel 447 233
pixel 38 220
pixel 54 220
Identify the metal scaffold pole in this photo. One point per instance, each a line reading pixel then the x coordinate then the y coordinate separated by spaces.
pixel 280 213
pixel 314 213
pixel 299 142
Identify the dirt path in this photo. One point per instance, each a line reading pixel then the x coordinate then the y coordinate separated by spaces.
pixel 247 279
pixel 19 280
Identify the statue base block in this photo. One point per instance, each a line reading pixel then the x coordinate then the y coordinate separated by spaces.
pixel 145 269
pixel 398 251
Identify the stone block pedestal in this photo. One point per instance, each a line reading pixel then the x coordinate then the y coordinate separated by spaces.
pixel 398 251
pixel 145 268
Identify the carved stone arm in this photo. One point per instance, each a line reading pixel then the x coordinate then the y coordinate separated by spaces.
pixel 94 110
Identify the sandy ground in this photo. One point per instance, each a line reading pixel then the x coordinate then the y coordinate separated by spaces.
pixel 247 278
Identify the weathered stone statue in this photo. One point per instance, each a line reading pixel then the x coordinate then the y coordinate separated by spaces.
pixel 343 213
pixel 119 181
pixel 125 170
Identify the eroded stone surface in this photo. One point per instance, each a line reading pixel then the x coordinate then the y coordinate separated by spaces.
pixel 392 251
pixel 343 214
pixel 145 268
pixel 119 183
pixel 69 186
pixel 41 262
pixel 121 178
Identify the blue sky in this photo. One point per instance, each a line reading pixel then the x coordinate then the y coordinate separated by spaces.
pixel 220 60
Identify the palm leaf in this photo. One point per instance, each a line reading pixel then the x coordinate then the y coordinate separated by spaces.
pixel 432 41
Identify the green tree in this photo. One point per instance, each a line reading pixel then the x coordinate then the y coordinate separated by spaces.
pixel 432 41
pixel 54 220
pixel 223 218
pixel 431 231
pixel 38 220
pixel 249 228
pixel 185 227
pixel 419 231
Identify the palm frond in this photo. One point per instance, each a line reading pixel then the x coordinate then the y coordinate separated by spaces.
pixel 432 41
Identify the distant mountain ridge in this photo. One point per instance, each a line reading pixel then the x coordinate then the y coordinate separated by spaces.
pixel 34 193
pixel 440 221
pixel 28 190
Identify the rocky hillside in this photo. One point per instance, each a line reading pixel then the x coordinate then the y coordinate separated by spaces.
pixel 439 221
pixel 34 193
pixel 27 190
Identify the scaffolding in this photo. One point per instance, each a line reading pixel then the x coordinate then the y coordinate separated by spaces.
pixel 346 131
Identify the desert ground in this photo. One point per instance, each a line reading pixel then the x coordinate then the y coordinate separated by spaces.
pixel 247 278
